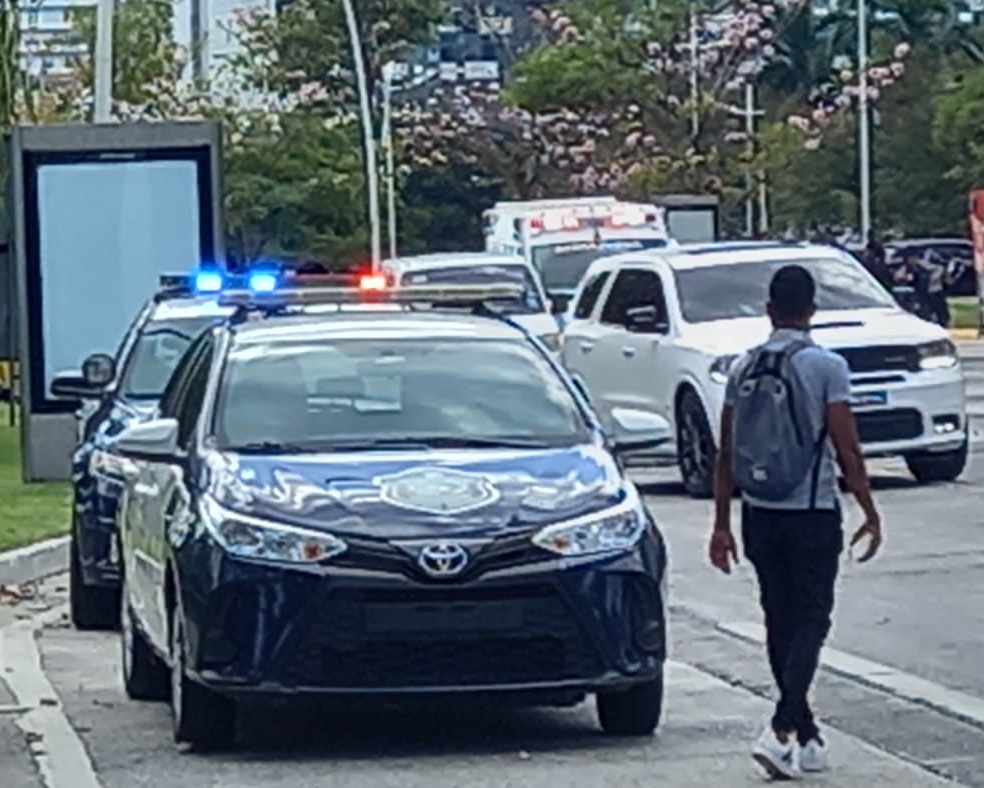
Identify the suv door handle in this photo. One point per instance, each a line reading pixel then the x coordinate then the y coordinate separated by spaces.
pixel 586 347
pixel 628 351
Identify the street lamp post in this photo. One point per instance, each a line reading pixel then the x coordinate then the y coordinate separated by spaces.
pixel 368 135
pixel 103 55
pixel 387 135
pixel 864 130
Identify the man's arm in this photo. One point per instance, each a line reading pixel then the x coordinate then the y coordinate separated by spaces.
pixel 844 434
pixel 724 471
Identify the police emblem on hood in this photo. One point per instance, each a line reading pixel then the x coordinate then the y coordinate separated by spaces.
pixel 437 490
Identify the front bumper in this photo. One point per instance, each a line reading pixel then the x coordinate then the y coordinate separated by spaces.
pixel 925 413
pixel 341 629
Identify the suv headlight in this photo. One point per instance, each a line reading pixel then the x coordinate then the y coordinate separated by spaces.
pixel 938 355
pixel 250 537
pixel 611 530
pixel 721 368
pixel 552 341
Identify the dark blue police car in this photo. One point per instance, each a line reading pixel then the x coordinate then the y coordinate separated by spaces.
pixel 394 497
pixel 114 393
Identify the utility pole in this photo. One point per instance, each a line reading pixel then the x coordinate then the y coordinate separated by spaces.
pixel 103 87
pixel 864 129
pixel 390 172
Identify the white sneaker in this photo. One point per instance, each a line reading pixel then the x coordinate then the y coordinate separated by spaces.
pixel 813 756
pixel 776 757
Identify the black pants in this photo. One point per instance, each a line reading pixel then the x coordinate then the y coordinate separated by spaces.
pixel 795 554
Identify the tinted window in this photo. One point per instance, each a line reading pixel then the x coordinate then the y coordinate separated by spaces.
pixel 632 288
pixel 156 354
pixel 724 292
pixel 315 395
pixel 173 391
pixel 485 275
pixel 589 296
pixel 561 266
pixel 193 396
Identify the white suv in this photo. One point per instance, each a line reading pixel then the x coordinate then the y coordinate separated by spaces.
pixel 660 330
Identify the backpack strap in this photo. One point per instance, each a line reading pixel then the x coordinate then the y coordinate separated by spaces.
pixel 817 462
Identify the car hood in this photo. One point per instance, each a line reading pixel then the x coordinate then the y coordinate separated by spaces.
pixel 406 495
pixel 831 328
pixel 122 414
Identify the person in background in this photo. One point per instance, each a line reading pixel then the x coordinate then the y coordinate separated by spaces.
pixel 930 280
pixel 875 260
pixel 787 415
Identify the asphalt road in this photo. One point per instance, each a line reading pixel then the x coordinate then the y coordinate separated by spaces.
pixel 901 691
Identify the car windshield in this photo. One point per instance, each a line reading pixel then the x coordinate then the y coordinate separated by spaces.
pixel 530 303
pixel 725 292
pixel 561 266
pixel 373 393
pixel 155 355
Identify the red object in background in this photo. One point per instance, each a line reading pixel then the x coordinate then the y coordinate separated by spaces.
pixel 372 282
pixel 977 228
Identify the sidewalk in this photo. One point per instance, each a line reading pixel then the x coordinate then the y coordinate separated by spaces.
pixel 707 733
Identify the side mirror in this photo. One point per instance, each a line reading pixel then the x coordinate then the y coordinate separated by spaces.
pixel 154 441
pixel 646 320
pixel 98 371
pixel 636 430
pixel 558 303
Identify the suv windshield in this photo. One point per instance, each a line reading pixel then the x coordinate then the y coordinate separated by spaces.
pixel 561 266
pixel 530 303
pixel 364 393
pixel 725 292
pixel 155 355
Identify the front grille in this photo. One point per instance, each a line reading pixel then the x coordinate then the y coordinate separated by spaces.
pixel 389 640
pixel 881 358
pixel 897 424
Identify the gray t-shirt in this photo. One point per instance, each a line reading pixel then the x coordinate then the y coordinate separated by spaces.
pixel 828 379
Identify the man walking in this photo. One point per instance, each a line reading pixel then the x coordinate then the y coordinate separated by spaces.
pixel 787 411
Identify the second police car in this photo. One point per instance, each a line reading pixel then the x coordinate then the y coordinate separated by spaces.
pixel 378 498
pixel 114 392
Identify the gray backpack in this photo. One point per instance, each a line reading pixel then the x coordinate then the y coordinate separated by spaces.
pixel 774 448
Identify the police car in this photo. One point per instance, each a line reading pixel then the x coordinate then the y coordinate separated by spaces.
pixel 532 310
pixel 392 492
pixel 115 392
pixel 660 330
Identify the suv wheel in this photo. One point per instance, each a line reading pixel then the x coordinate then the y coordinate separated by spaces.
pixel 203 719
pixel 635 711
pixel 938 466
pixel 91 607
pixel 695 446
pixel 145 676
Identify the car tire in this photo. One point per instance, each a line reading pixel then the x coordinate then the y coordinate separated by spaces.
pixel 947 466
pixel 695 446
pixel 635 711
pixel 145 674
pixel 203 719
pixel 90 607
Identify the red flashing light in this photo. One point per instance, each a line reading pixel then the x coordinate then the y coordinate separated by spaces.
pixel 536 224
pixel 372 282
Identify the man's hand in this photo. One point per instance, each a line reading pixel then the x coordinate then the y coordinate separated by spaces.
pixel 872 530
pixel 722 549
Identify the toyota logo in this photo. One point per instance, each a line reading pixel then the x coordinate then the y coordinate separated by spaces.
pixel 443 559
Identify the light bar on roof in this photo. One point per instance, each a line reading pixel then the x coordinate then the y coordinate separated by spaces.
pixel 411 294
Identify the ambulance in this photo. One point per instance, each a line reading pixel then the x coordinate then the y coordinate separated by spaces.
pixel 562 237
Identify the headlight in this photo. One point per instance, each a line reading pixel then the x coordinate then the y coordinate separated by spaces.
pixel 250 537
pixel 722 367
pixel 552 341
pixel 608 531
pixel 938 355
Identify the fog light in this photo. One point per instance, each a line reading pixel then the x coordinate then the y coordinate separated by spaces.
pixel 649 637
pixel 945 425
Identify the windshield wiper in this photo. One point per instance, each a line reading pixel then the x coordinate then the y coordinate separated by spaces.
pixel 267 447
pixel 435 442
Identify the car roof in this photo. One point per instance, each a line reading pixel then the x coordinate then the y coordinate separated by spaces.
pixel 928 242
pixel 376 324
pixel 706 255
pixel 453 260
pixel 191 308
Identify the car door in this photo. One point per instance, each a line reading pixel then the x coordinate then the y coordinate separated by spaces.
pixel 581 330
pixel 626 372
pixel 143 516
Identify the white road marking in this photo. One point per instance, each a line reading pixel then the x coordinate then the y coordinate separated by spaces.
pixel 58 752
pixel 897 682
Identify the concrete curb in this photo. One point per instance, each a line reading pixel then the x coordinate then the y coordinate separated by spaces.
pixel 34 562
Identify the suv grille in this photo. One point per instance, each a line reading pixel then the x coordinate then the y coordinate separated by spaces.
pixel 441 637
pixel 881 358
pixel 895 424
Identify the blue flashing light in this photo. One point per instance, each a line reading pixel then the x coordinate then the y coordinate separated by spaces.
pixel 208 282
pixel 262 282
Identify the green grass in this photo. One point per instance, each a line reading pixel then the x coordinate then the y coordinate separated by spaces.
pixel 963 312
pixel 28 512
